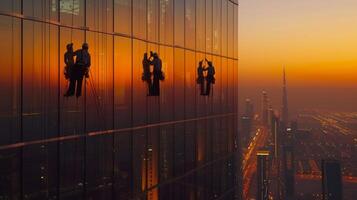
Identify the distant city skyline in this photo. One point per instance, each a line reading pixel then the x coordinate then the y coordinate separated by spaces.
pixel 315 40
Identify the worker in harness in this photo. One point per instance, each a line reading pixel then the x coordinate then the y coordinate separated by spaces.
pixel 200 77
pixel 79 70
pixel 68 60
pixel 210 77
pixel 157 73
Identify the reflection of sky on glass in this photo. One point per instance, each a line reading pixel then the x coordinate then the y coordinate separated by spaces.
pixel 66 6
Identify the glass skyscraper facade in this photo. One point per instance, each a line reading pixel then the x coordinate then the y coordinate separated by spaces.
pixel 115 142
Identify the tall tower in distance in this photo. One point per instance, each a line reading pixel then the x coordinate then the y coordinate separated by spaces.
pixel 264 108
pixel 285 111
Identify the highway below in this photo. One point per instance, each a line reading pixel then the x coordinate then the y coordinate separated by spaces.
pixel 250 161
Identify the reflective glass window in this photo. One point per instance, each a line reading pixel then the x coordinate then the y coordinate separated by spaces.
pixel 122 16
pixel 166 21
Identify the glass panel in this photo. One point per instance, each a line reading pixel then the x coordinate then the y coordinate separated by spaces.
pixel 99 15
pixel 230 30
pixel 45 10
pixel 224 28
pixel 140 18
pixel 122 16
pixel 153 20
pixel 72 12
pixel 166 164
pixel 153 110
pixel 71 123
pixel 190 23
pixel 224 95
pixel 167 89
pixel 179 159
pixel 235 31
pixel 10 6
pixel 140 88
pixel 201 25
pixel 122 82
pixel 99 116
pixel 190 84
pixel 179 23
pixel 230 86
pixel 40 111
pixel 209 28
pixel 179 78
pixel 123 165
pixel 217 86
pixel 201 100
pixel 99 85
pixel 190 157
pixel 217 26
pixel 166 21
pixel 140 162
pixel 10 105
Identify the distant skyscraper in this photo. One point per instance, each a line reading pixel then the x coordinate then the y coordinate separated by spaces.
pixel 262 175
pixel 331 180
pixel 265 107
pixel 289 171
pixel 285 111
pixel 249 108
pixel 246 129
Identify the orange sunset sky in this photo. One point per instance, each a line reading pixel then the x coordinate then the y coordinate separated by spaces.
pixel 315 39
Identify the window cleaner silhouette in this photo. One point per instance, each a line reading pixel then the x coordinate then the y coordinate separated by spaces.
pixel 146 73
pixel 79 70
pixel 200 77
pixel 69 61
pixel 158 74
pixel 210 77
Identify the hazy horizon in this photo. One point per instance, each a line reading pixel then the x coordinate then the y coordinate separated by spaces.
pixel 315 40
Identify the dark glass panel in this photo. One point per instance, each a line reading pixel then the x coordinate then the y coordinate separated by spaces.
pixel 40 111
pixel 140 162
pixel 99 116
pixel 166 161
pixel 72 156
pixel 10 105
pixel 179 159
pixel 123 169
pixel 10 6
